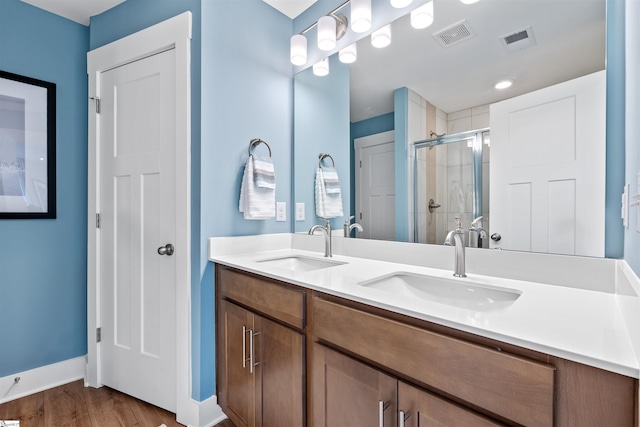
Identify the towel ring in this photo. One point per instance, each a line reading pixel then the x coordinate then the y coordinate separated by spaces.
pixel 258 141
pixel 323 156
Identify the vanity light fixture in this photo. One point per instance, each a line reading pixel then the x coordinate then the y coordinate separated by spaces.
pixel 382 37
pixel 326 33
pixel 298 49
pixel 422 17
pixel 399 4
pixel 503 84
pixel 348 54
pixel 330 28
pixel 360 15
pixel 321 68
pixel 469 1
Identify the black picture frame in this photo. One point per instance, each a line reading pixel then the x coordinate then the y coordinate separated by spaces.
pixel 27 147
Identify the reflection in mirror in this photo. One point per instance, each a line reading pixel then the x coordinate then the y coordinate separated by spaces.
pixel 452 180
pixel 416 86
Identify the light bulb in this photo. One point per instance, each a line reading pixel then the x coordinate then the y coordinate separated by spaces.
pixel 360 15
pixel 298 49
pixel 348 54
pixel 326 33
pixel 422 16
pixel 381 37
pixel 321 68
pixel 503 84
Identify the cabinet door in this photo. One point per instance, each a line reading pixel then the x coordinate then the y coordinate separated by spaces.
pixel 349 393
pixel 237 383
pixel 422 409
pixel 280 358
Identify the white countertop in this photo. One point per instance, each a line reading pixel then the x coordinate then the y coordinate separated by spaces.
pixel 582 325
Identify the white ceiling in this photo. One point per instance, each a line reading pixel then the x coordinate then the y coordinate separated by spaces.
pixel 76 10
pixel 570 42
pixel 291 8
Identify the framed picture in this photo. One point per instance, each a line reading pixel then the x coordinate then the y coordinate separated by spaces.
pixel 27 147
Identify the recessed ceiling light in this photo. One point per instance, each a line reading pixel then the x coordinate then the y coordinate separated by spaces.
pixel 469 1
pixel 503 84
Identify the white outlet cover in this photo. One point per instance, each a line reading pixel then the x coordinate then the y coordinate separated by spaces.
pixel 299 211
pixel 281 211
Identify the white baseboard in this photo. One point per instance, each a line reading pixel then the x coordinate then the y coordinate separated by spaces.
pixel 43 378
pixel 210 412
pixel 201 414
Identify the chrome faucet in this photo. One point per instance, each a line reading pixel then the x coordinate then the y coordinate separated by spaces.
pixel 326 230
pixel 481 232
pixel 456 238
pixel 347 228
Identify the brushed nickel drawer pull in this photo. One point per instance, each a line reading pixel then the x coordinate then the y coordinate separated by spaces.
pixel 252 364
pixel 402 418
pixel 244 346
pixel 382 406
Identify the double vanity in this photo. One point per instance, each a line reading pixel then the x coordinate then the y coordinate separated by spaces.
pixel 383 334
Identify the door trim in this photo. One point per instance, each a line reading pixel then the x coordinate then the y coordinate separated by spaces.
pixel 174 33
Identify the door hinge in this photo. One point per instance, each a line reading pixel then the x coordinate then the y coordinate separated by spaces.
pixel 97 100
pixel 97 220
pixel 98 334
pixel 360 163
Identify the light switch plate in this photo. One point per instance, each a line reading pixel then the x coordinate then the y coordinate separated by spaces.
pixel 281 211
pixel 636 200
pixel 624 212
pixel 299 211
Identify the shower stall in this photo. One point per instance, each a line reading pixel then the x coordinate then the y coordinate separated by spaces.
pixel 451 179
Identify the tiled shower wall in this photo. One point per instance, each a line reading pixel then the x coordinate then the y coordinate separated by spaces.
pixel 445 175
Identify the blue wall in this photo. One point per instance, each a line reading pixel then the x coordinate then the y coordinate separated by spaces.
pixel 247 92
pixel 615 163
pixel 43 262
pixel 632 236
pixel 321 110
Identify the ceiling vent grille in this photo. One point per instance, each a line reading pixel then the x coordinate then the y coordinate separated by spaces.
pixel 454 34
pixel 521 39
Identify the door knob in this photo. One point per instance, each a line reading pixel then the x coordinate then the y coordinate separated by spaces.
pixel 168 249
pixel 496 237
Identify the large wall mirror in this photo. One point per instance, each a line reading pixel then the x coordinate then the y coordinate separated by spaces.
pixel 440 81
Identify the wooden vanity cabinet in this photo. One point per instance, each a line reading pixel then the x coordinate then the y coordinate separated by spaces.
pixel 261 364
pixel 287 356
pixel 350 393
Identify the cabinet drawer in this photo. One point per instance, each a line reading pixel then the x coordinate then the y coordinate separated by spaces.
pixel 512 387
pixel 272 299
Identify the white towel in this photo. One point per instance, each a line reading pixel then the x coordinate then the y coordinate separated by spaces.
pixel 328 205
pixel 256 202
pixel 330 179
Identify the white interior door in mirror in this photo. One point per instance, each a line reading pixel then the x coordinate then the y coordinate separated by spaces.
pixel 375 186
pixel 548 169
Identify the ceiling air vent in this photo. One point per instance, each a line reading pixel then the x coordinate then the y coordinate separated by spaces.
pixel 519 40
pixel 454 34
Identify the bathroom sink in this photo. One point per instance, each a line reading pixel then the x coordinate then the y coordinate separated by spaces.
pixel 458 292
pixel 300 263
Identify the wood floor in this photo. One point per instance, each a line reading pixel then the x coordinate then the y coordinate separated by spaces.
pixel 73 405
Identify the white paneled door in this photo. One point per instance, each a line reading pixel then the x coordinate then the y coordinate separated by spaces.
pixel 548 169
pixel 376 186
pixel 138 229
